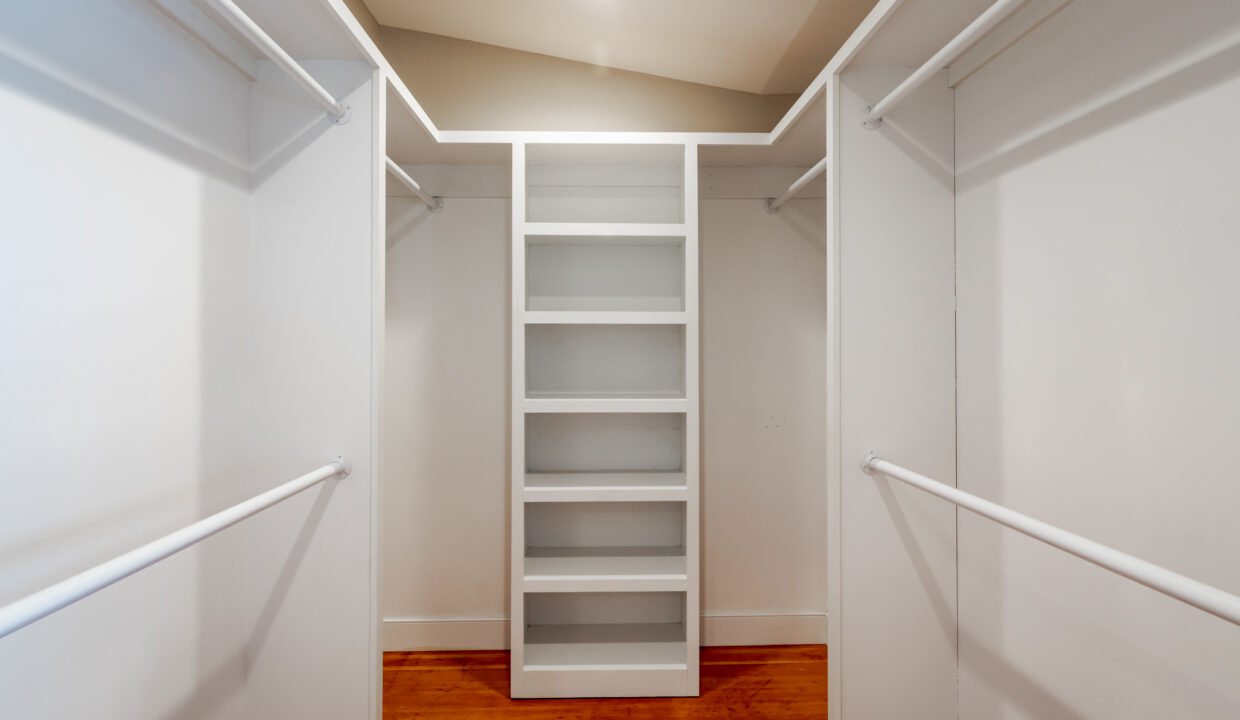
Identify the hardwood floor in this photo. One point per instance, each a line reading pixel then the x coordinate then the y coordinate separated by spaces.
pixel 740 683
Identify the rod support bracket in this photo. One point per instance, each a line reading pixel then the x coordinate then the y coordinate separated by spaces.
pixel 344 118
pixel 866 459
pixel 870 122
pixel 345 467
pixel 770 210
pixel 438 206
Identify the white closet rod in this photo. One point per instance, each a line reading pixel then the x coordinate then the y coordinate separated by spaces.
pixel 336 110
pixel 994 15
pixel 434 203
pixel 27 610
pixel 774 204
pixel 1201 596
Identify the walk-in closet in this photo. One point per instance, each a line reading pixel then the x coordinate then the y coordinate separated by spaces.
pixel 480 359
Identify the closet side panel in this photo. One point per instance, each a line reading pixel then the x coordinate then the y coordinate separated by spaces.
pixel 1099 340
pixel 897 574
pixel 124 220
pixel 318 269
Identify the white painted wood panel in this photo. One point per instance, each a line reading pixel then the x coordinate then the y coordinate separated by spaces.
pixel 618 403
pixel 605 486
pixel 659 679
pixel 517 424
pixel 606 317
pixel 615 230
pixel 897 603
pixel 693 423
pixel 318 257
pixel 582 548
pixel 609 568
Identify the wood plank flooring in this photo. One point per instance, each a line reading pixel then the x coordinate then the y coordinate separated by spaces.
pixel 787 682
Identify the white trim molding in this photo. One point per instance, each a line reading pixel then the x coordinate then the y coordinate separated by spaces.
pixel 764 629
pixel 415 634
pixel 408 634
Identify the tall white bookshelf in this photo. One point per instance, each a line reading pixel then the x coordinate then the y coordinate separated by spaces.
pixel 605 499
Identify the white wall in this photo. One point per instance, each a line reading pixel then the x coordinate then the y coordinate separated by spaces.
pixel 445 530
pixel 445 429
pixel 764 502
pixel 181 333
pixel 1098 169
pixel 123 215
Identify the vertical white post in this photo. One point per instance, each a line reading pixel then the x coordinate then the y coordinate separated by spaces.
pixel 378 349
pixel 693 619
pixel 835 518
pixel 517 452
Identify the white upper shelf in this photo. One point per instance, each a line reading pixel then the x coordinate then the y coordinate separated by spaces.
pixel 605 487
pixel 328 30
pixel 606 569
pixel 606 229
pixel 603 317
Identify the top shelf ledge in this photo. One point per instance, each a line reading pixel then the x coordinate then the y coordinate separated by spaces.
pixel 607 229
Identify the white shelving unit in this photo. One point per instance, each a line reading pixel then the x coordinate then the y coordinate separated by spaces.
pixel 605 568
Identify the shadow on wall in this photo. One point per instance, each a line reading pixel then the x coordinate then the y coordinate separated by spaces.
pixel 404 215
pixel 63 71
pixel 224 679
pixel 1156 78
pixel 165 117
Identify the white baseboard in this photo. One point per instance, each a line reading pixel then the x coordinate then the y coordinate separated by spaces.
pixel 765 629
pixel 405 634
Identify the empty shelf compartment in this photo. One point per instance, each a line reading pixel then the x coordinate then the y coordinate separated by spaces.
pixel 595 569
pixel 583 444
pixel 605 361
pixel 646 646
pixel 604 524
pixel 584 274
pixel 621 631
pixel 605 183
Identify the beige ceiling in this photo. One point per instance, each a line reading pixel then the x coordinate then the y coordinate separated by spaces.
pixel 758 46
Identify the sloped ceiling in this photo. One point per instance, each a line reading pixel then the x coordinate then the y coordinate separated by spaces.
pixel 757 46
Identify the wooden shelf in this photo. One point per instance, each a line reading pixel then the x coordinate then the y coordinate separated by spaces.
pixel 611 230
pixel 606 569
pixel 605 647
pixel 603 317
pixel 605 487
